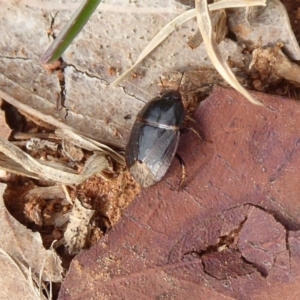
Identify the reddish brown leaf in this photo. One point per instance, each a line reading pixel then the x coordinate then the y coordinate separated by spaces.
pixel 231 232
pixel 261 247
pixel 223 265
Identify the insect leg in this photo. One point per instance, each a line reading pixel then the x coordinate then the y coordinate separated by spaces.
pixel 183 173
pixel 186 129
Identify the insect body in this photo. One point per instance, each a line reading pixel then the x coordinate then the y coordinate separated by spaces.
pixel 154 138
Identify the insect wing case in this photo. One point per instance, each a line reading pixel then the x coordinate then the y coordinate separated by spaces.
pixel 166 110
pixel 150 157
pixel 154 138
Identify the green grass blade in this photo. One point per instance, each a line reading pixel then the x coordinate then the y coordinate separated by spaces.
pixel 70 31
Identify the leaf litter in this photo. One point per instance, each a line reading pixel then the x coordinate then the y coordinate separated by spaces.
pixel 84 163
pixel 78 228
pixel 51 207
pixel 17 242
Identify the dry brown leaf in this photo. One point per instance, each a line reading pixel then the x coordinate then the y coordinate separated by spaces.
pixel 26 246
pixel 17 284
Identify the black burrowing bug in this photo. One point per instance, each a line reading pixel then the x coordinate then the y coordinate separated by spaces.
pixel 154 138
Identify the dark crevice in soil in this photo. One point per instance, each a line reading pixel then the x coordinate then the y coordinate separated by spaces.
pixel 61 99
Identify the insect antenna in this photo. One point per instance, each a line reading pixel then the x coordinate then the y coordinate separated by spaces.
pixel 180 82
pixel 162 84
pixel 164 88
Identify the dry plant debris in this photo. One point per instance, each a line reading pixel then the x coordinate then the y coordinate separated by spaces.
pixel 78 228
pixel 46 205
pixel 267 26
pixel 99 188
pixel 272 65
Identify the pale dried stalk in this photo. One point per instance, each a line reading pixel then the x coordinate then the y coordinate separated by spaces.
pixel 157 40
pixel 89 144
pixel 178 21
pixel 205 26
pixel 68 197
pixel 235 3
pixel 95 164
pixel 9 165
